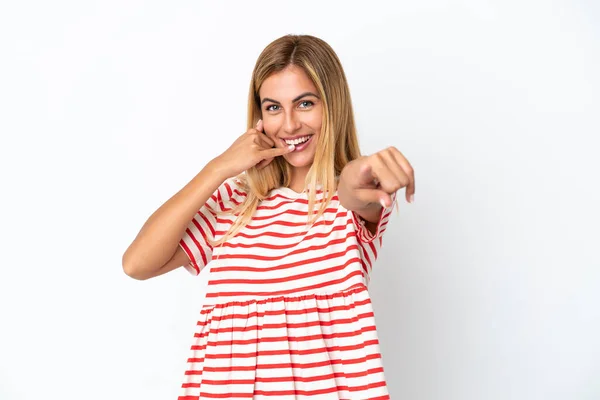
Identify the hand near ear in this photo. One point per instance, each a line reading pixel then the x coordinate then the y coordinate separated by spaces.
pixel 252 149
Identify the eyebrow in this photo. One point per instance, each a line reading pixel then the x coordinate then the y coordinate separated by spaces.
pixel 293 101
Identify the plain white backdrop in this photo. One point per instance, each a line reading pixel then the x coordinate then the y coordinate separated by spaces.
pixel 487 287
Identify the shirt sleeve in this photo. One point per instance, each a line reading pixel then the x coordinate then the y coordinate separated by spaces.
pixel 363 233
pixel 369 243
pixel 205 225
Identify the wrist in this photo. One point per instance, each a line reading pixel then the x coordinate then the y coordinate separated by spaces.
pixel 370 213
pixel 218 169
pixel 347 195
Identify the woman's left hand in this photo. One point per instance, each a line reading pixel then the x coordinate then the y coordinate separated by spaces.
pixel 373 179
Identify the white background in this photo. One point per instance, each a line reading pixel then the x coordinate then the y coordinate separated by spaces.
pixel 488 287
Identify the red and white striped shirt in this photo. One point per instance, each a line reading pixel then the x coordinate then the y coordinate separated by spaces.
pixel 287 311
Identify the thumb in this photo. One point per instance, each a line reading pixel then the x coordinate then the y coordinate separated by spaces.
pixel 259 125
pixel 374 196
pixel 370 189
pixel 365 175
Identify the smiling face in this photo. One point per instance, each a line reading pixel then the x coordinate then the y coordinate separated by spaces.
pixel 292 113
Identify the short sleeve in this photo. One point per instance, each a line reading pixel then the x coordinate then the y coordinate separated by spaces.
pixel 205 225
pixel 364 234
pixel 369 243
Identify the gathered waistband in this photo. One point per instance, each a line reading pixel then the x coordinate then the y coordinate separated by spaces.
pixel 357 288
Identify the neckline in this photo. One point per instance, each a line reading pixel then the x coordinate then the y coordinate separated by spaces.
pixel 290 192
pixel 287 192
pixel 293 194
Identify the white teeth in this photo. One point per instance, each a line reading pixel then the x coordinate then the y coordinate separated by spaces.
pixel 298 141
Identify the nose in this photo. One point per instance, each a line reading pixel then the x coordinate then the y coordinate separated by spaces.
pixel 291 123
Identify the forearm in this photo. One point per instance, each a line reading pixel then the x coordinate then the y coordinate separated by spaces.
pixel 370 212
pixel 159 237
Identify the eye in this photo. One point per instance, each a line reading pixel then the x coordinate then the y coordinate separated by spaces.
pixel 269 107
pixel 307 101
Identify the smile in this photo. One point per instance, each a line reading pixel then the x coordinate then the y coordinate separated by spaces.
pixel 298 141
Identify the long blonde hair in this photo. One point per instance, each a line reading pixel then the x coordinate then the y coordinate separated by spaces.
pixel 337 143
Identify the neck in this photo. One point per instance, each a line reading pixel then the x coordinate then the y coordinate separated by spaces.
pixel 298 178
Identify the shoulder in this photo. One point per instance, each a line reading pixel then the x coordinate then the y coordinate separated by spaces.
pixel 234 186
pixel 231 192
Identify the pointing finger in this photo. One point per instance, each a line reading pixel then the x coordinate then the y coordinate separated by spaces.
pixel 277 151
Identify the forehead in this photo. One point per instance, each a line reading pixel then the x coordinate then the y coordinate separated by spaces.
pixel 286 84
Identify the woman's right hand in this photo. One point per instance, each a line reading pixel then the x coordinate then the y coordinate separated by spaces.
pixel 253 148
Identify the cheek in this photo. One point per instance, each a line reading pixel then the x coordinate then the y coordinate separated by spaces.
pixel 270 129
pixel 270 124
pixel 315 118
pixel 315 121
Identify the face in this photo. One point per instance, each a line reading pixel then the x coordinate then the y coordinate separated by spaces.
pixel 292 113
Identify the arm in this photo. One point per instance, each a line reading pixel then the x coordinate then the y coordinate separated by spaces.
pixel 368 212
pixel 367 184
pixel 154 250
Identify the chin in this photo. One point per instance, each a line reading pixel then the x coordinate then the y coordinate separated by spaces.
pixel 299 161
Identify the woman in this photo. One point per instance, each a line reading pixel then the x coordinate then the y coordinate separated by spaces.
pixel 291 218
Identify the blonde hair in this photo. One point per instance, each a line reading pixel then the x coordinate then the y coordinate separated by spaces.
pixel 337 142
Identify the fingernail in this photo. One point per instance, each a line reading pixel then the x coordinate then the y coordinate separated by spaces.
pixel 382 203
pixel 412 198
pixel 258 122
pixel 291 147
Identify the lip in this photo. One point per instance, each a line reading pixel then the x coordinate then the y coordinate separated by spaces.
pixel 296 137
pixel 301 146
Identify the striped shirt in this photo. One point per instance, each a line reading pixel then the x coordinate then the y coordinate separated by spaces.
pixel 287 311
